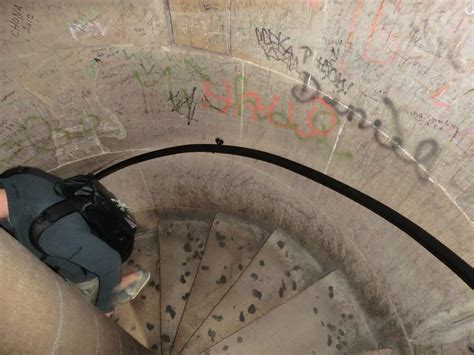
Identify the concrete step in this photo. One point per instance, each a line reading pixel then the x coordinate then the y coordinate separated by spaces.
pixel 281 270
pixel 231 246
pixel 126 316
pixel 182 242
pixel 324 318
pixel 141 317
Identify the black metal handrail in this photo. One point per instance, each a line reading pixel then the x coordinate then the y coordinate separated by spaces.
pixel 453 261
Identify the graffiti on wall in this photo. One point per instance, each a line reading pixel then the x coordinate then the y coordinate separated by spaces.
pixel 37 135
pixel 276 47
pixel 279 48
pixel 316 122
pixel 425 151
pixel 88 25
pixel 20 21
pixel 181 100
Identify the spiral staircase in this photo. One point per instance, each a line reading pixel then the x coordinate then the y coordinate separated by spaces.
pixel 247 257
pixel 225 286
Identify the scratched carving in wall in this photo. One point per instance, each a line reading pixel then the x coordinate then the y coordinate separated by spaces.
pixel 20 21
pixel 88 25
pixel 37 135
pixel 278 47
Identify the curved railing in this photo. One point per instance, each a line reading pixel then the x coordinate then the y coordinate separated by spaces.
pixel 459 266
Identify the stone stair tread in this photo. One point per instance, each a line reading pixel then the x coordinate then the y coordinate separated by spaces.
pixel 231 246
pixel 324 318
pixel 182 242
pixel 140 317
pixel 126 317
pixel 280 270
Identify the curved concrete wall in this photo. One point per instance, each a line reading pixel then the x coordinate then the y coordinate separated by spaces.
pixel 41 314
pixel 387 108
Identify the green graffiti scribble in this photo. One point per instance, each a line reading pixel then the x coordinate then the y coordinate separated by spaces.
pixel 142 55
pixel 147 72
pixel 91 69
pixel 144 83
pixel 193 67
pixel 166 73
pixel 82 21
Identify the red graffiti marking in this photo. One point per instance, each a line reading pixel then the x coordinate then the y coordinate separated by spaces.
pixel 227 98
pixel 374 28
pixel 353 25
pixel 313 131
pixel 391 36
pixel 438 93
pixel 312 3
pixel 257 107
pixel 252 100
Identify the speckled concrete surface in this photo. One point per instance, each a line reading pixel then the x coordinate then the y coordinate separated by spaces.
pixel 231 246
pixel 279 271
pixel 322 319
pixel 182 243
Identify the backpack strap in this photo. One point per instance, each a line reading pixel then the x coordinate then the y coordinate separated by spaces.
pixel 32 171
pixel 47 218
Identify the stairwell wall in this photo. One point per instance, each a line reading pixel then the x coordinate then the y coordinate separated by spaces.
pixel 387 110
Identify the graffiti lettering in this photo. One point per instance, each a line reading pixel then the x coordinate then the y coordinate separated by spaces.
pixel 392 36
pixel 302 93
pixel 308 53
pixel 313 124
pixel 424 152
pixel 273 46
pixel 19 21
pixel 180 99
pixel 328 68
pixel 227 99
pixel 166 73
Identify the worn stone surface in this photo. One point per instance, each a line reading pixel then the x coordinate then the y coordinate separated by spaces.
pixel 129 186
pixel 141 317
pixel 279 271
pixel 231 246
pixel 126 317
pixel 25 25
pixel 182 243
pixel 323 318
pixel 190 17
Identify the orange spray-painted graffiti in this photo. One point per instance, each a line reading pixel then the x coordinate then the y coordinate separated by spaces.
pixel 232 102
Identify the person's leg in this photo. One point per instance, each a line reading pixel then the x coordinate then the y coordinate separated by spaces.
pixel 83 254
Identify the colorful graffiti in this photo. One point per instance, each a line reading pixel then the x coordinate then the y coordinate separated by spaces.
pixel 317 123
pixel 234 101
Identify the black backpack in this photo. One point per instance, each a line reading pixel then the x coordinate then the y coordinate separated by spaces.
pixel 108 218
